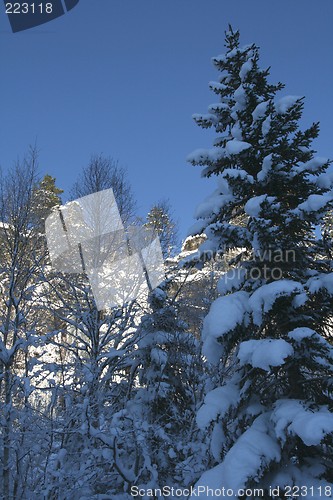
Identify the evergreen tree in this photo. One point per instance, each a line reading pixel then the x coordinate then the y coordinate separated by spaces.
pixel 328 224
pixel 326 254
pixel 46 196
pixel 157 441
pixel 327 234
pixel 271 419
pixel 160 219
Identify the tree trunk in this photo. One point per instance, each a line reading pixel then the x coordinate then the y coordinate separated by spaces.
pixel 6 434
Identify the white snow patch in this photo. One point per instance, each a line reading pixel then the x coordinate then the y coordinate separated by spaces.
pixel 263 299
pixel 266 125
pixel 223 183
pixel 213 350
pixel 300 333
pixel 321 281
pixel 264 353
pixel 236 132
pixel 266 167
pixel 254 450
pixel 225 314
pixel 311 425
pixel 212 205
pixel 234 147
pixel 314 202
pixel 219 59
pixel 220 106
pixel 245 69
pixel 260 111
pixel 237 173
pixel 300 300
pixel 208 117
pixel 217 441
pixel 206 155
pixel 240 97
pixel 312 165
pixel 217 86
pixel 217 402
pixel 197 228
pixel 253 206
pixel 283 105
pixel 325 180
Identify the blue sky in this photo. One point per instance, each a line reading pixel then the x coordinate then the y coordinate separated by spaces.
pixel 123 77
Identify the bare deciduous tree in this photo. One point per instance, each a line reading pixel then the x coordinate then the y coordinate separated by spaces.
pixel 104 173
pixel 22 254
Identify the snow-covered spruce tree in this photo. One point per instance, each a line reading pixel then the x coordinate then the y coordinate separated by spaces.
pixel 46 196
pixel 271 421
pixel 156 440
pixel 326 255
pixel 327 235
